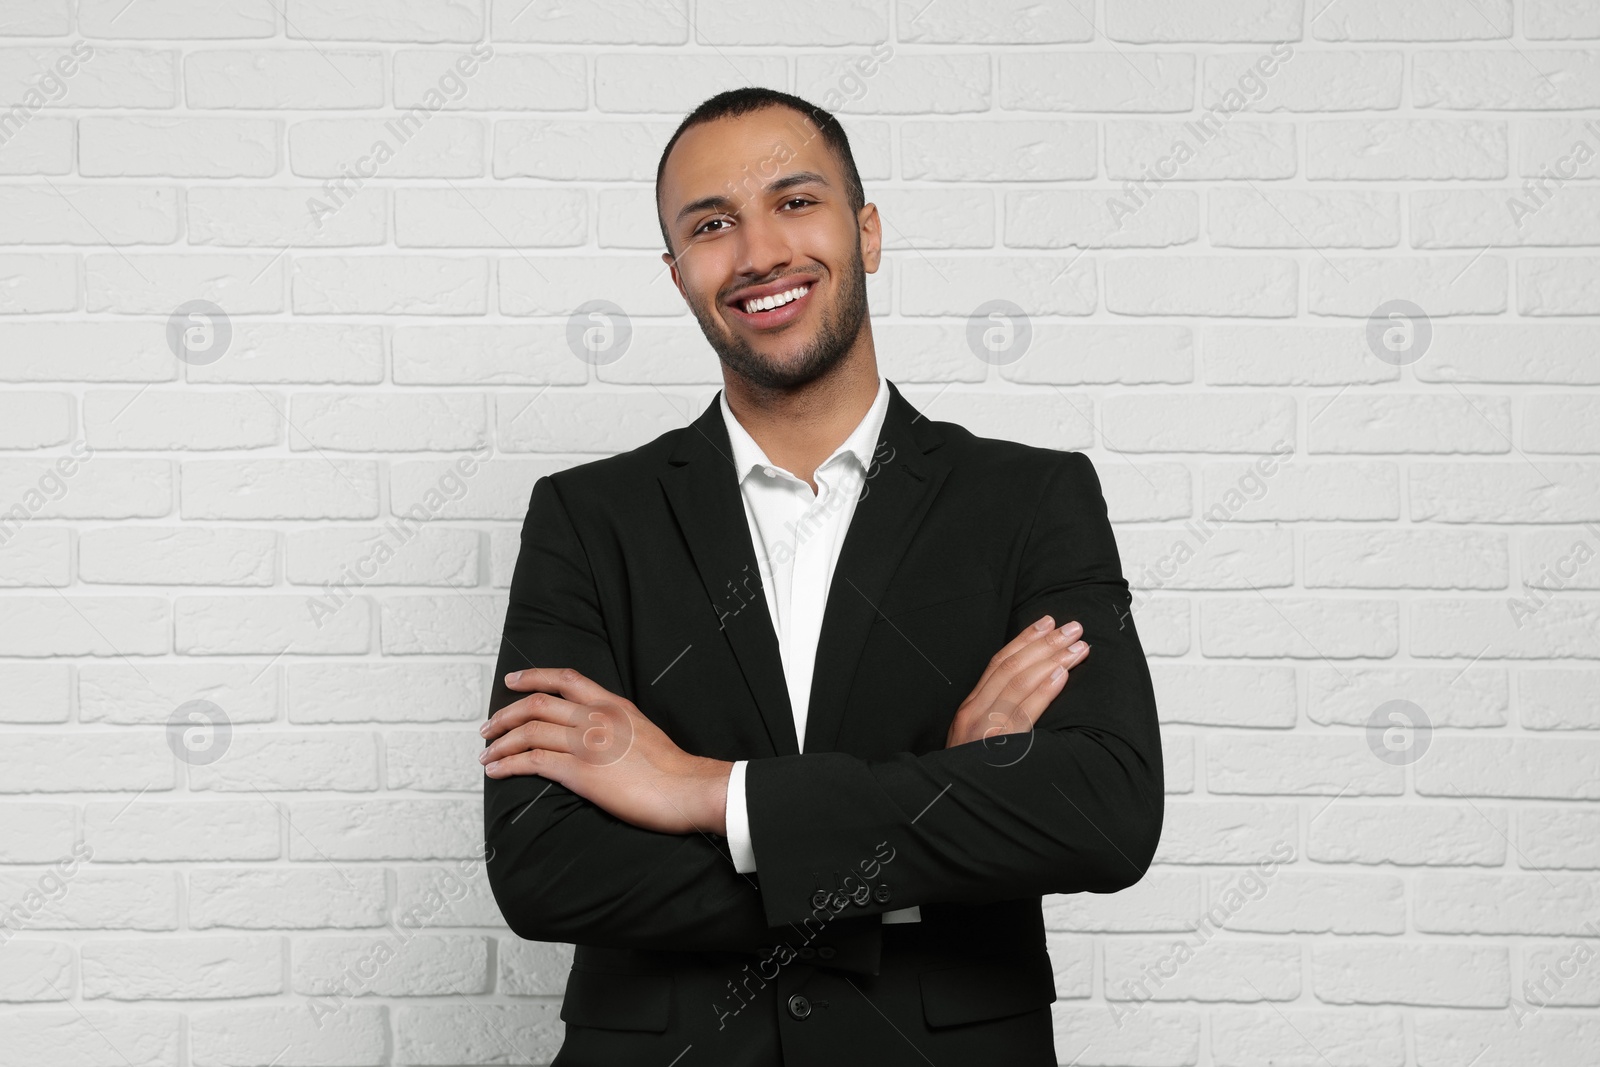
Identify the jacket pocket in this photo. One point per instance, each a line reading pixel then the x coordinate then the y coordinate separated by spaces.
pixel 966 994
pixel 617 1001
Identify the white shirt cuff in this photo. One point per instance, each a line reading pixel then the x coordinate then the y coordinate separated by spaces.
pixel 738 819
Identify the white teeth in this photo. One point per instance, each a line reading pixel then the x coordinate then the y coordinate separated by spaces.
pixel 767 303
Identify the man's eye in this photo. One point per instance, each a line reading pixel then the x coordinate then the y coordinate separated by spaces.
pixel 801 200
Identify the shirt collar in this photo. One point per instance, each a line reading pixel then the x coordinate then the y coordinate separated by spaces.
pixel 862 442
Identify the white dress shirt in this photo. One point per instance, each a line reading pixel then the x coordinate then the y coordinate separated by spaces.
pixel 797 536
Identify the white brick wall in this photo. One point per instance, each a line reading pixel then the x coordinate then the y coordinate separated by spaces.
pixel 1312 531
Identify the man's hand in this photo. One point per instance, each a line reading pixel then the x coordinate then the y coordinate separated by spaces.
pixel 1019 683
pixel 603 748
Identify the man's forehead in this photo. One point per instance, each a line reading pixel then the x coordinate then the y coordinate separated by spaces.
pixel 747 151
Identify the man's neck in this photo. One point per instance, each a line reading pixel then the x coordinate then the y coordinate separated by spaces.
pixel 799 429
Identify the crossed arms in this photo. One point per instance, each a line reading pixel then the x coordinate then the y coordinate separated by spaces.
pixel 616 847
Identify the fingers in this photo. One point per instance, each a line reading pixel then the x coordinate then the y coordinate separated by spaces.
pixel 545 735
pixel 1024 699
pixel 1018 699
pixel 539 706
pixel 564 680
pixel 1017 644
pixel 544 763
pixel 1026 649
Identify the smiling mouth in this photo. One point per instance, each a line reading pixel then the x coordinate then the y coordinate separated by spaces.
pixel 772 311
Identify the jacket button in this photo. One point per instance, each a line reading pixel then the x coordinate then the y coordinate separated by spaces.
pixel 799 1006
pixel 881 894
pixel 862 894
pixel 807 952
pixel 827 952
pixel 821 898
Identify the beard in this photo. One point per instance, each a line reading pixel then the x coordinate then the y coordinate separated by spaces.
pixel 841 325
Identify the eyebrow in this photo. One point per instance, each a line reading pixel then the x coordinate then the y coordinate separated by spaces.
pixel 777 185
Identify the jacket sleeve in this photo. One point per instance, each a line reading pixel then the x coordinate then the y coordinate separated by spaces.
pixel 561 868
pixel 1074 805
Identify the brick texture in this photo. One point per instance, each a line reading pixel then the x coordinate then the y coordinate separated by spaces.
pixel 1315 284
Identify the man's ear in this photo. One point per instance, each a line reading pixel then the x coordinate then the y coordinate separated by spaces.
pixel 871 238
pixel 672 265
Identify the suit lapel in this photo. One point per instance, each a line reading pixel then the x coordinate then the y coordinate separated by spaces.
pixel 904 477
pixel 702 489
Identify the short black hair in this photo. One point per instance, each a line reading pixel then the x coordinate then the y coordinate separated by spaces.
pixel 742 101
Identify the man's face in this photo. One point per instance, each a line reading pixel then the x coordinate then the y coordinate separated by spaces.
pixel 756 207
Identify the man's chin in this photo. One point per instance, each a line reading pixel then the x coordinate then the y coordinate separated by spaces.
pixel 788 369
pixel 771 347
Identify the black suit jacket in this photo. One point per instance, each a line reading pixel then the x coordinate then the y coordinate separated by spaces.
pixel 638 570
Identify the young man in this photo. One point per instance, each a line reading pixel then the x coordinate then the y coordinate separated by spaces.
pixel 777 743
